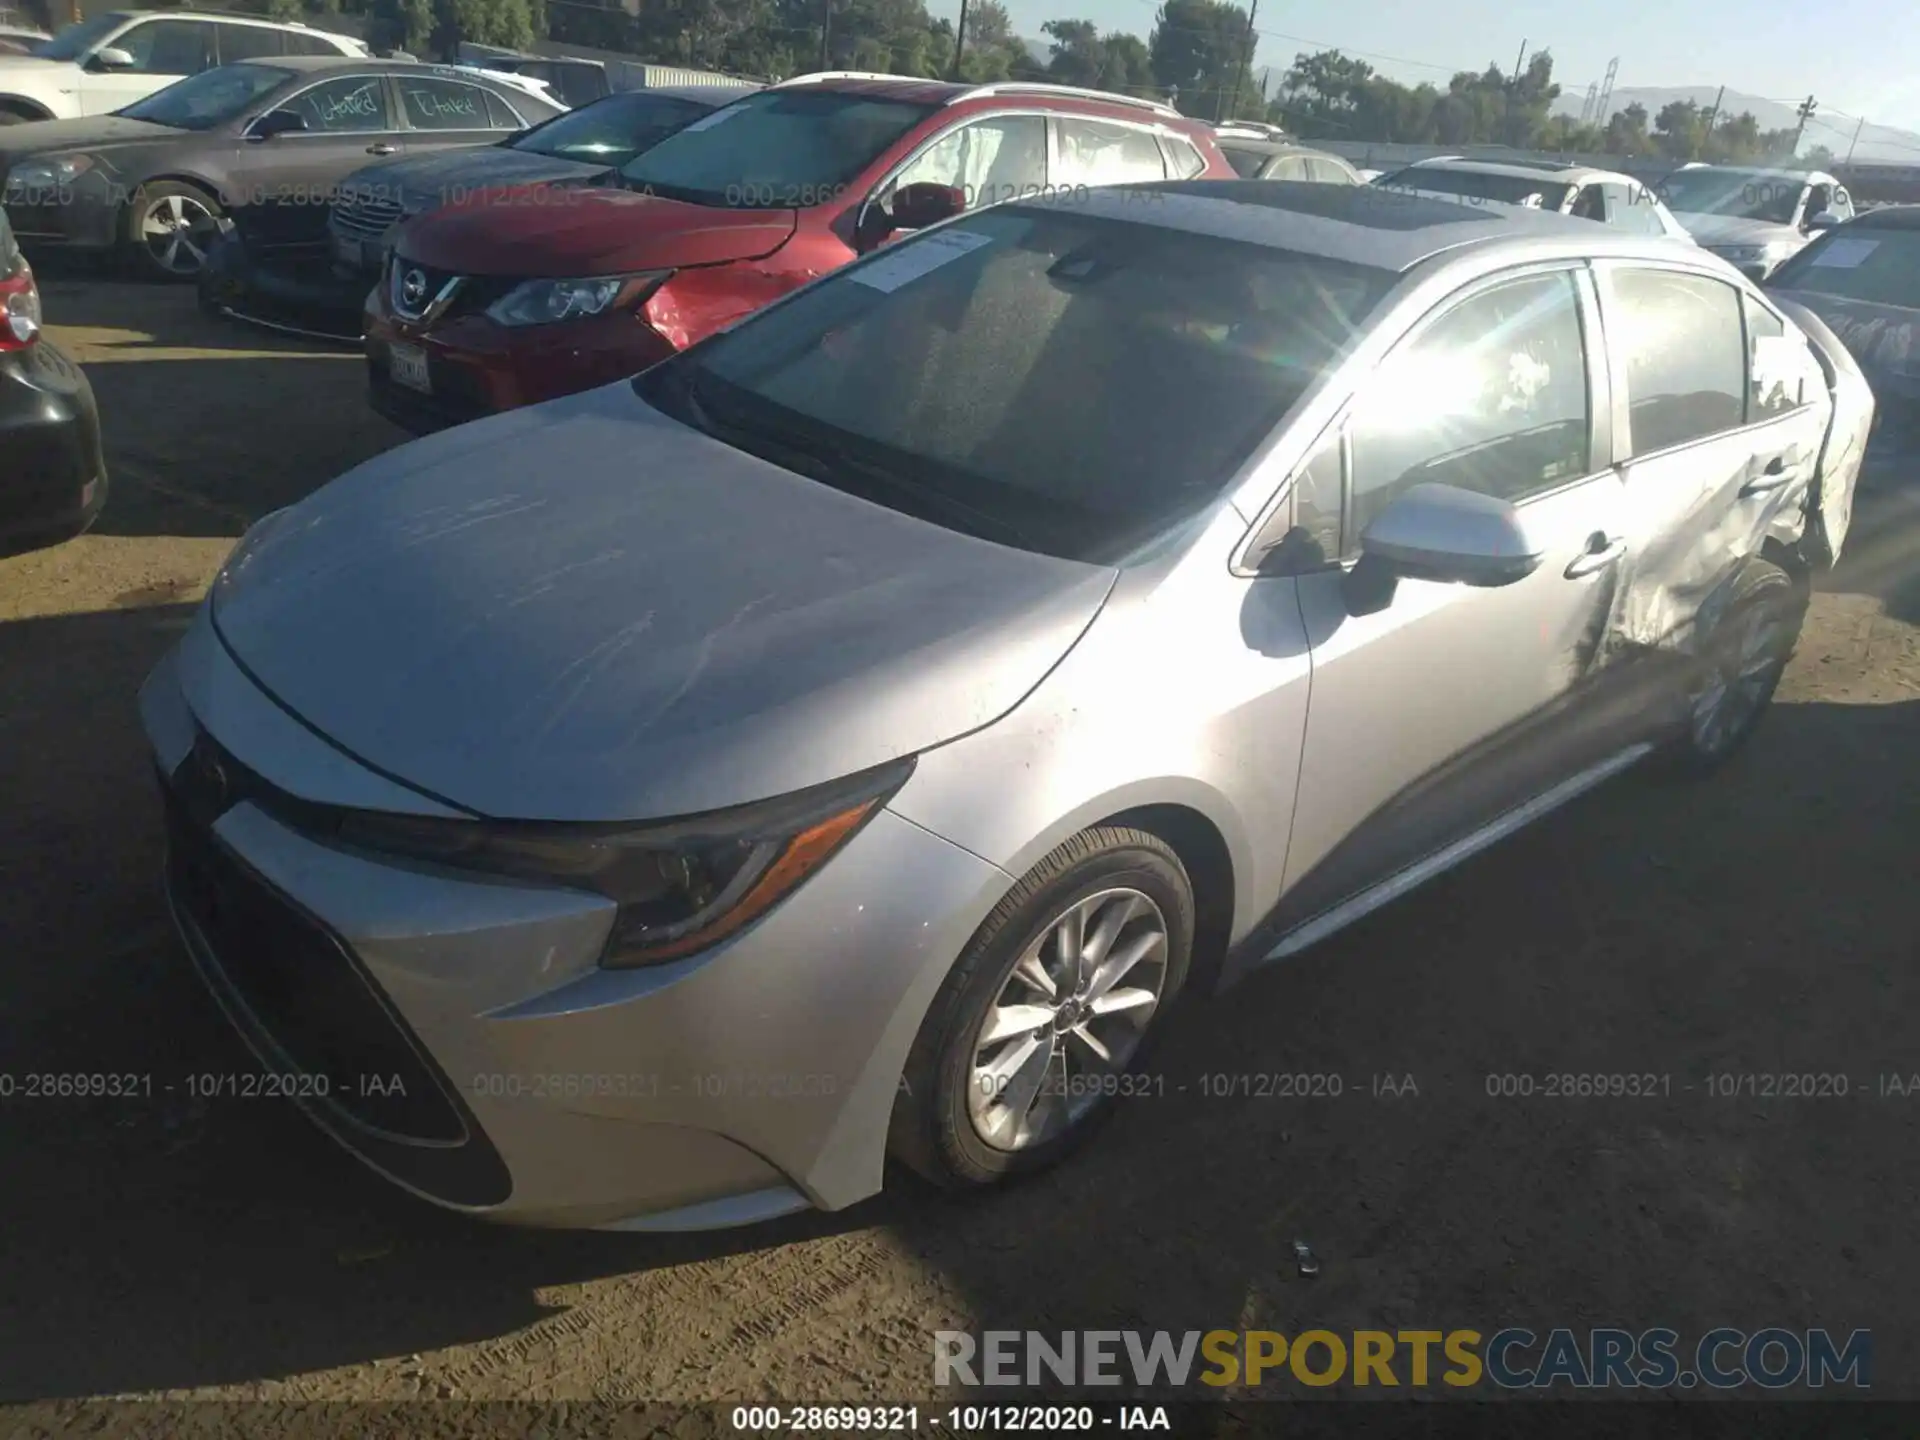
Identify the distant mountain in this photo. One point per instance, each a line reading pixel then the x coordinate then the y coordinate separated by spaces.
pixel 1040 50
pixel 1880 143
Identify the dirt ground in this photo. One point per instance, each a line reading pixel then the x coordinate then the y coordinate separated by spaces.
pixel 1768 921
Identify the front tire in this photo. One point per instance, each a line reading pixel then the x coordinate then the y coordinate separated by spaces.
pixel 170 229
pixel 1740 667
pixel 1050 1010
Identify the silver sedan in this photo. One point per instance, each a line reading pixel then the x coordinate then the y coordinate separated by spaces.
pixel 654 808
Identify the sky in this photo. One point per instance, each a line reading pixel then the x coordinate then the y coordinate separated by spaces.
pixel 1856 57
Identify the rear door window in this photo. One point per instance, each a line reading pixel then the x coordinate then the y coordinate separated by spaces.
pixel 435 104
pixel 249 42
pixel 1685 353
pixel 1099 152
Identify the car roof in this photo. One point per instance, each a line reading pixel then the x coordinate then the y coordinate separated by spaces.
pixel 1565 174
pixel 1258 146
pixel 1887 217
pixel 1360 224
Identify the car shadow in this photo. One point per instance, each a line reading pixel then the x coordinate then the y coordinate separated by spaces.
pixel 1341 1100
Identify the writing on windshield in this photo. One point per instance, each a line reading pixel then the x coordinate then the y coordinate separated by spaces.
pixel 1737 196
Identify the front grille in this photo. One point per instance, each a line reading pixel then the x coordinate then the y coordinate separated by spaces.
pixel 299 981
pixel 364 216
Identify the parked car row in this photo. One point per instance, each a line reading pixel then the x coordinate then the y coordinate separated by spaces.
pixel 891 701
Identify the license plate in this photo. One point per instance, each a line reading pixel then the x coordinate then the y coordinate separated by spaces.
pixel 408 365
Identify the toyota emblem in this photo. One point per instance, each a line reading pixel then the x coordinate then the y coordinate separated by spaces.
pixel 413 288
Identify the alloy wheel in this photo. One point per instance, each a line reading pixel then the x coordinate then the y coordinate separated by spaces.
pixel 1068 1019
pixel 178 230
pixel 1741 674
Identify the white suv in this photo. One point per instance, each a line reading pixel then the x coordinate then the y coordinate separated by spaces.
pixel 97 66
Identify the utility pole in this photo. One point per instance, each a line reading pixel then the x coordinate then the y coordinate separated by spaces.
pixel 826 33
pixel 1513 96
pixel 1805 112
pixel 959 39
pixel 1856 138
pixel 1712 115
pixel 1246 61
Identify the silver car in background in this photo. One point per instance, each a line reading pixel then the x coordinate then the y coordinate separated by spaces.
pixel 654 808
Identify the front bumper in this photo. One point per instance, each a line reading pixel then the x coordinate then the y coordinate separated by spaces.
pixel 476 367
pixel 53 474
pixel 538 1088
pixel 83 216
pixel 297 289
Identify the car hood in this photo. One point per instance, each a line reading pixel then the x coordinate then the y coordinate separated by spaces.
pixel 425 181
pixel 531 231
pixel 1732 230
pixel 95 132
pixel 587 611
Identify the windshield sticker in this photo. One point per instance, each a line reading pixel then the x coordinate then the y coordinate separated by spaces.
pixel 916 258
pixel 1844 254
pixel 707 122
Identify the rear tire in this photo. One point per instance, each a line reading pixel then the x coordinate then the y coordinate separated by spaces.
pixel 1739 668
pixel 1007 1076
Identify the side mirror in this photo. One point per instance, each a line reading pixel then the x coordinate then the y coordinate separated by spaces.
pixel 111 57
pixel 1445 534
pixel 1825 220
pixel 276 122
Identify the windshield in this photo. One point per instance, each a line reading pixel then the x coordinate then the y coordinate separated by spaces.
pixel 1737 194
pixel 1503 189
pixel 80 38
pixel 779 149
pixel 1061 382
pixel 611 131
pixel 203 101
pixel 1881 267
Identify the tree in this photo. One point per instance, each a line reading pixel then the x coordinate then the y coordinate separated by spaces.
pixel 1197 49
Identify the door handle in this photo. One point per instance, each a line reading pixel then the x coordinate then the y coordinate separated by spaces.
pixel 1774 476
pixel 381 148
pixel 1600 553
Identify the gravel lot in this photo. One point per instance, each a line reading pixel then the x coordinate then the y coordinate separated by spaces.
pixel 1764 922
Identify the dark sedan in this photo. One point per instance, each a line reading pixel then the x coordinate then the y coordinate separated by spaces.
pixel 53 480
pixel 322 291
pixel 1863 279
pixel 264 142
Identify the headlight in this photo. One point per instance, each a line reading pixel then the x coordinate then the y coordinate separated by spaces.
pixel 680 887
pixel 543 302
pixel 49 172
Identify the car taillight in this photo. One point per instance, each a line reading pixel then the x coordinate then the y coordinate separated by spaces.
pixel 19 308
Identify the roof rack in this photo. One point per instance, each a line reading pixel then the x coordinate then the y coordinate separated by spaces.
pixel 1035 87
pixel 816 76
pixel 1252 127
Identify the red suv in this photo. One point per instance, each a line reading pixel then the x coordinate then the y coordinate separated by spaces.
pixel 521 295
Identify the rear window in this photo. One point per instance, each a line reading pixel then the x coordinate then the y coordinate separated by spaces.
pixel 1503 189
pixel 1066 383
pixel 1881 267
pixel 1246 163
